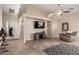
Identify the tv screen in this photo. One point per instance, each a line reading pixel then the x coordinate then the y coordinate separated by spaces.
pixel 39 24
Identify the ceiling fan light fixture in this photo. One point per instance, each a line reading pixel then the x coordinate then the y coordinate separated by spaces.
pixel 59 13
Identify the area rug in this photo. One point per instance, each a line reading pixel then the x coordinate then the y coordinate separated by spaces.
pixel 62 49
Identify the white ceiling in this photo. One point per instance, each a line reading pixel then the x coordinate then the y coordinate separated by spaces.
pixel 6 7
pixel 54 7
pixel 46 7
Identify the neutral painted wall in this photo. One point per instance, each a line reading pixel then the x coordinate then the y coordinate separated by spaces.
pixel 29 29
pixel 49 29
pixel 29 22
pixel 0 17
pixel 71 18
pixel 13 22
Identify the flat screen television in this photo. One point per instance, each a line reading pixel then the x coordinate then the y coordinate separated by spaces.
pixel 39 24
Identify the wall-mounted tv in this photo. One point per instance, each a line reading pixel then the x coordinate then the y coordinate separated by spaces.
pixel 39 24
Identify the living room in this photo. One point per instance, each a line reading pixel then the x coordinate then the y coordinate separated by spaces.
pixel 39 26
pixel 53 24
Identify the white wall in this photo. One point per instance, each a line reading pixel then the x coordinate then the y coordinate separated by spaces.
pixel 13 22
pixel 29 29
pixel 71 18
pixel 29 22
pixel 49 29
pixel 0 17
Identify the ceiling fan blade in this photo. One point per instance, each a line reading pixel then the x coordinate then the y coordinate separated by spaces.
pixel 66 11
pixel 50 15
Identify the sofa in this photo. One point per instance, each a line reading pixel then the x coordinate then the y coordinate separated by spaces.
pixel 68 37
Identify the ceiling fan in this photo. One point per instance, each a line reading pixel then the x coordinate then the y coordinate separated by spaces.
pixel 60 11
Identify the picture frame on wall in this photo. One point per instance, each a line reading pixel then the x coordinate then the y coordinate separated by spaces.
pixel 65 26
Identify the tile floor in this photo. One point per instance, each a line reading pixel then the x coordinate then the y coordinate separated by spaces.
pixel 34 47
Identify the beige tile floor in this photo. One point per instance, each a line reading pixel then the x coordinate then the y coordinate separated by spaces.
pixel 34 47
